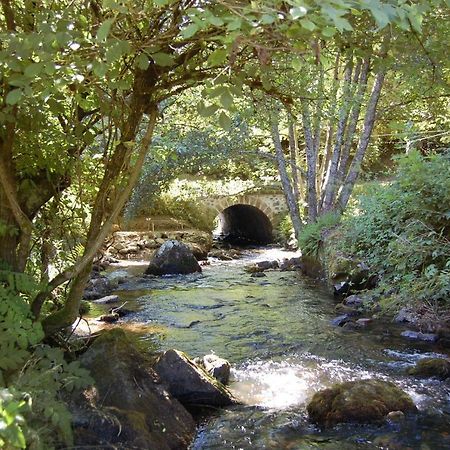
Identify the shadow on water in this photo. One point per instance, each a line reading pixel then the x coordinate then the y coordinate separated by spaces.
pixel 276 332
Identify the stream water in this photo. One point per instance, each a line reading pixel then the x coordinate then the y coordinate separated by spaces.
pixel 276 331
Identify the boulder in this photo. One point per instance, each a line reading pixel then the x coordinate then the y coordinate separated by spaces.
pixel 362 401
pixel 217 367
pixel 419 336
pixel 291 264
pixel 344 309
pixel 173 257
pixel 265 265
pixel 432 367
pixel 97 287
pixel 190 384
pixel 339 321
pixel 107 299
pixel 353 300
pixel 406 315
pixel 128 406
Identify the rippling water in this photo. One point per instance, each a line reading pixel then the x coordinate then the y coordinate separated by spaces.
pixel 276 332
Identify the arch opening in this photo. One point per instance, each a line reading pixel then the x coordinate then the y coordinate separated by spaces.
pixel 244 225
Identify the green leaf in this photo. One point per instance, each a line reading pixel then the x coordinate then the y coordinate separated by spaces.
pixel 267 19
pixel 104 29
pixel 224 121
pixel 190 30
pixel 142 61
pixel 298 11
pixel 33 70
pixel 163 59
pixel 14 96
pixel 329 32
pixel 226 99
pixel 217 57
pixel 306 23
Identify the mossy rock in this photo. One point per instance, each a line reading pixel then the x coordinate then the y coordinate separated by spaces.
pixel 362 401
pixel 127 387
pixel 432 367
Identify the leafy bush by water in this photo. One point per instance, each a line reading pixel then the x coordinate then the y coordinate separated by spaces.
pixel 401 230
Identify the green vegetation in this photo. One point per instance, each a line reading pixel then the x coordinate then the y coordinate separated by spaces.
pixel 104 104
pixel 401 230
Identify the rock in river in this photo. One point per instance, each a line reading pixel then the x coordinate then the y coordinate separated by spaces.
pixel 362 401
pixel 173 257
pixel 190 384
pixel 217 367
pixel 432 367
pixel 128 406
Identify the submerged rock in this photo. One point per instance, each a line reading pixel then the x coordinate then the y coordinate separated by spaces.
pixel 190 384
pixel 173 257
pixel 419 336
pixel 362 401
pixel 127 407
pixel 432 367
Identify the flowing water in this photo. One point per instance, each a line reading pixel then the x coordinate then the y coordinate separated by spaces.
pixel 276 332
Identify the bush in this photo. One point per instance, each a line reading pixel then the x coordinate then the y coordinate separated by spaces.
pixel 32 375
pixel 312 235
pixel 401 230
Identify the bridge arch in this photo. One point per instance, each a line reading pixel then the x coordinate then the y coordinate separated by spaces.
pixel 245 219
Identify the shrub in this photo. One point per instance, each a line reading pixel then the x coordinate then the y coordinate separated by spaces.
pixel 312 235
pixel 32 375
pixel 402 231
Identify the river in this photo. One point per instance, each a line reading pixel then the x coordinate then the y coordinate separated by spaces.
pixel 276 331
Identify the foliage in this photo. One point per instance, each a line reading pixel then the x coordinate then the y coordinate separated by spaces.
pixel 312 235
pixel 401 230
pixel 32 375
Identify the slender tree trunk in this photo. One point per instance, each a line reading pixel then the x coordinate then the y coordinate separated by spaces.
pixel 330 130
pixel 311 163
pixel 369 121
pixel 330 183
pixel 101 223
pixel 354 117
pixel 296 176
pixel 285 182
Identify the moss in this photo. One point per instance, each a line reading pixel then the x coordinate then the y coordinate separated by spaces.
pixel 432 367
pixel 358 401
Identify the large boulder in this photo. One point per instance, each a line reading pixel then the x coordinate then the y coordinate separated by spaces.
pixel 432 367
pixel 362 401
pixel 173 257
pixel 128 406
pixel 189 383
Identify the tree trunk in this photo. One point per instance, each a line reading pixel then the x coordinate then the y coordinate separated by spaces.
pixel 354 117
pixel 100 225
pixel 330 183
pixel 285 182
pixel 296 176
pixel 311 162
pixel 369 121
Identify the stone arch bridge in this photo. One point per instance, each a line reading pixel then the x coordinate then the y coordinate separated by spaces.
pixel 247 217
